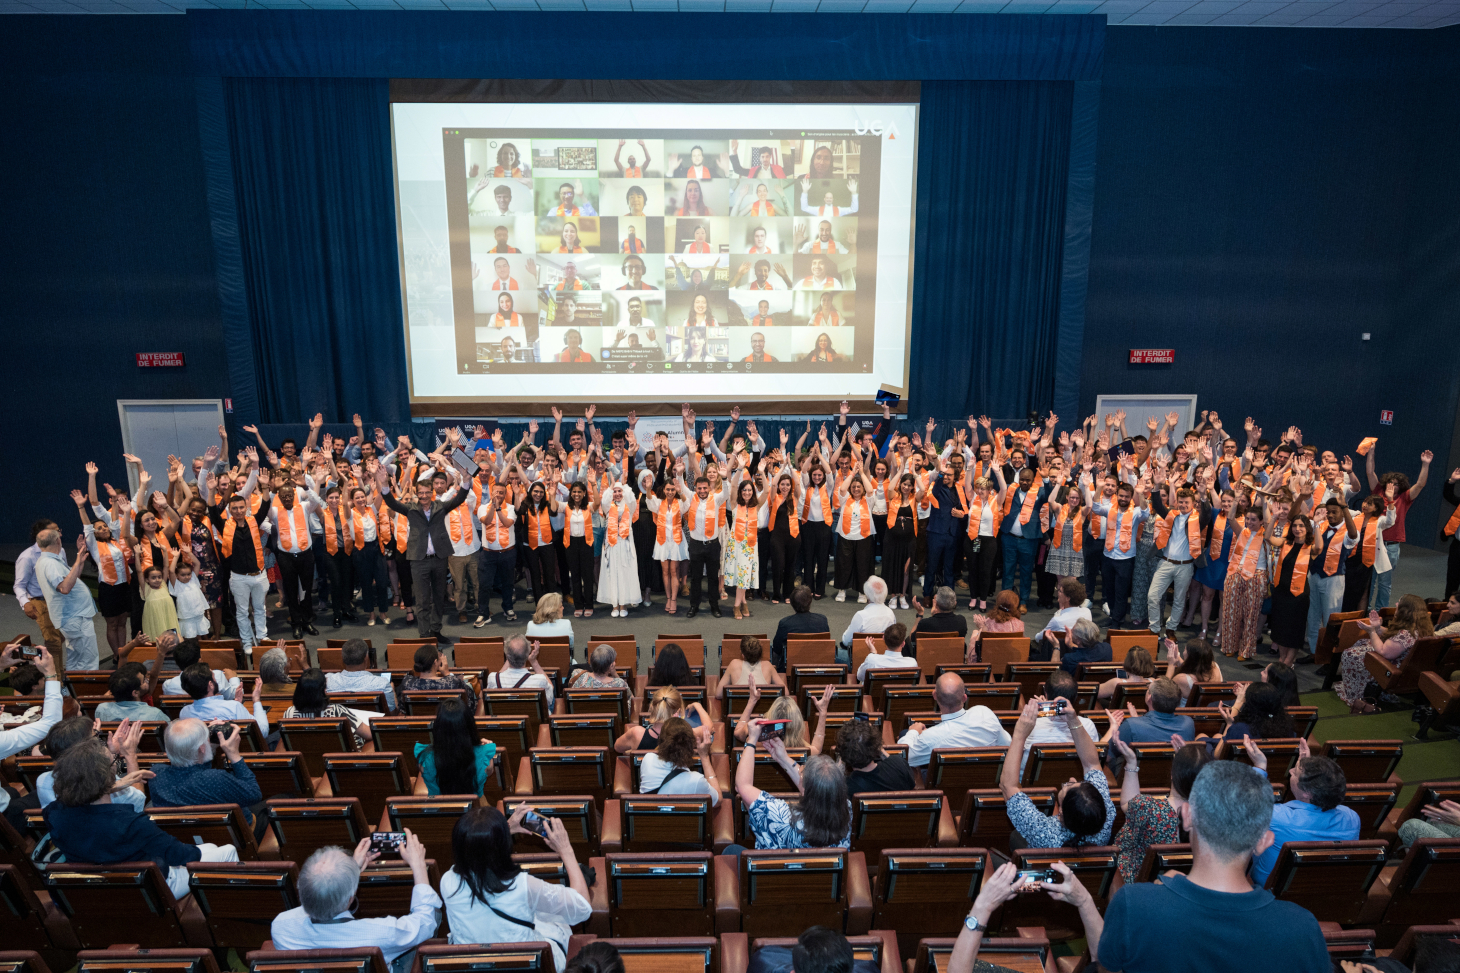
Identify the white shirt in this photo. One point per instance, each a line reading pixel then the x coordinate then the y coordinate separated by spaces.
pixel 976 726
pixel 27 735
pixel 884 660
pixel 849 525
pixel 1050 729
pixel 1178 545
pixel 553 909
pixel 467 515
pixel 553 629
pixel 873 620
pixel 298 541
pixel 703 515
pixel 508 679
pixel 653 771
pixel 226 686
pixel 491 527
pixel 50 571
pixel 360 681
pixel 1065 618
pixel 394 935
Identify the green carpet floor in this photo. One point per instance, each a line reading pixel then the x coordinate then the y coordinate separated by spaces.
pixel 1435 759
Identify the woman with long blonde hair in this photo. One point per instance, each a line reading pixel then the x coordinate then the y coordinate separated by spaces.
pixel 666 702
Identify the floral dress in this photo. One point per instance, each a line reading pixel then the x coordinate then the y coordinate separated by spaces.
pixel 742 562
pixel 1355 674
pixel 206 553
pixel 1148 821
pixel 1142 572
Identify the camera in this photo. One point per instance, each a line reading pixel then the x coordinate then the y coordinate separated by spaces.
pixel 30 651
pixel 1035 419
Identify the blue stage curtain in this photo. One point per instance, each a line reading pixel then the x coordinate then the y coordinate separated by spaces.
pixel 316 224
pixel 993 162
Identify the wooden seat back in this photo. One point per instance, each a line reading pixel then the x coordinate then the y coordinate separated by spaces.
pixel 936 650
pixel 1330 879
pixel 1212 693
pixel 122 902
pixel 1123 640
pixel 571 770
pixel 1028 952
pixel 1094 866
pixel 1051 764
pixel 431 819
pixel 1373 803
pixel 769 775
pixel 783 893
pixel 815 651
pixel 1029 676
pixel 997 696
pixel 968 671
pixel 400 734
pixel 531 703
pixel 386 887
pixel 649 893
pixel 579 816
pixel 585 730
pixel 662 954
pixel 372 777
pixel 811 676
pixel 302 826
pixel 360 959
pixel 501 958
pixel 313 738
pixel 655 823
pixel 895 819
pixel 486 654
pixel 984 822
pixel 146 961
pixel 1365 761
pixel 877 683
pixel 1161 859
pixel 281 772
pixel 25 916
pixel 219 824
pixel 239 900
pixel 1423 888
pixel 615 702
pixel 957 770
pixel 844 699
pixel 921 888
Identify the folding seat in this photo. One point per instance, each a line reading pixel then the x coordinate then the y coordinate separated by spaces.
pixel 125 902
pixel 985 823
pixel 969 671
pixel 1031 953
pixel 22 961
pixel 529 703
pixel 769 776
pixel 934 651
pixel 1161 859
pixel 650 893
pixel 1212 693
pixel 402 654
pixel 1429 792
pixel 801 650
pixel 486 654
pixel 281 773
pixel 921 888
pixel 555 655
pixel 361 959
pixel 146 961
pixel 878 947
pixel 994 695
pixel 423 702
pixel 782 893
pixel 1373 803
pixel 371 777
pixel 1365 761
pixel 1097 671
pixel 313 738
pixel 219 824
pixel 1421 891
pixel 692 645
pixel 896 700
pixel 1280 755
pixel 1207 719
pixel 89 682
pixel 1087 698
pixel 1155 764
pixel 369 702
pixel 1353 945
pixel 1094 866
pixel 744 834
pixel 400 734
pixel 514 736
pixel 844 699
pixel 901 819
pixel 430 819
pixel 811 676
pixel 585 730
pixel 1030 677
pixel 1403 679
pixel 552 771
pixel 300 827
pixel 1051 764
pixel 239 900
pixel 734 698
pixel 639 823
pixel 612 702
pixel 31 924
pixel 625 647
pixel 1330 879
pixel 1122 640
pixel 579 816
pixel 151 739
pixel 730 645
pixel 1305 718
pixel 1128 692
pixel 29 769
pixel 1410 941
pixel 502 958
pixel 957 770
pixel 670 954
pixel 386 885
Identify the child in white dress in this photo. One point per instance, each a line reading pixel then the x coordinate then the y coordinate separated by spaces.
pixel 192 604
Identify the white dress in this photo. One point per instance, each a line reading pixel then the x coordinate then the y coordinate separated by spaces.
pixel 618 569
pixel 670 551
pixel 192 607
pixel 552 909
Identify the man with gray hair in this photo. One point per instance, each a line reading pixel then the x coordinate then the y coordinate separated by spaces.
pixel 976 726
pixel 69 603
pixel 1080 643
pixel 189 777
pixel 1212 918
pixel 872 620
pixel 521 669
pixel 357 677
pixel 325 920
pixel 274 670
pixel 944 621
pixel 1156 726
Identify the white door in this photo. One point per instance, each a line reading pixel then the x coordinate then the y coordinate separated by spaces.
pixel 153 429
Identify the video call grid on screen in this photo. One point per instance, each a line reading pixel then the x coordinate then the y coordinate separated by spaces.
pixel 580 253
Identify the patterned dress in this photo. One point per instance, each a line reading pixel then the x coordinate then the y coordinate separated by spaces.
pixel 742 558
pixel 1141 574
pixel 207 555
pixel 1148 821
pixel 1356 676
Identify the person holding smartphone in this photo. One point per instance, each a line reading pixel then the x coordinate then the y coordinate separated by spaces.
pixel 1083 812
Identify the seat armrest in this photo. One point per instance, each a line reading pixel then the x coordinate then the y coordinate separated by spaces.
pixel 859 895
pixel 717 742
pixel 720 763
pixel 612 832
pixel 598 898
pixel 712 687
pixel 523 784
pixel 623 776
pixel 576 942
pixel 1380 668
pixel 734 952
pixel 722 825
pixel 727 895
pixel 947 827
pixel 560 706
pixel 544 735
pixel 891 956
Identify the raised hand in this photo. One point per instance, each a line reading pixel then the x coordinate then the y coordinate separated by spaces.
pixel 1152 423
pixel 1427 457
pixel 78 498
pixel 845 407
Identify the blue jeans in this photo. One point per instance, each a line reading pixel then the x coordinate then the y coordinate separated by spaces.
pixel 1021 551
pixel 1380 597
pixel 1325 596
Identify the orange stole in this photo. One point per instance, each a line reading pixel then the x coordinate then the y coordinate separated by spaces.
pixel 1219 532
pixel 106 561
pixel 1300 568
pixel 144 550
pixel 1118 525
pixel 253 531
pixel 1078 533
pixel 665 517
pixel 1242 559
pixel 620 518
pixel 1452 526
pixel 825 504
pixel 575 515
pixel 1334 551
pixel 539 527
pixel 1369 539
pixel 866 511
pixel 293 527
pixel 714 518
pixel 1193 532
pixel 745 524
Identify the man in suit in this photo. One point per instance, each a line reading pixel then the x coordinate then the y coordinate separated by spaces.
pixel 429 544
pixel 803 621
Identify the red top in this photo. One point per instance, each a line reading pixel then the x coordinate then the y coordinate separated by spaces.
pixel 1395 534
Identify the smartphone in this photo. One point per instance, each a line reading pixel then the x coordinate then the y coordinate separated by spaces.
pixel 535 823
pixel 1051 707
pixel 1030 879
pixel 30 651
pixel 773 729
pixel 388 842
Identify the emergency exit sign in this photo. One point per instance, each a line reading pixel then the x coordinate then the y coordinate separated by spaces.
pixel 1152 356
pixel 160 359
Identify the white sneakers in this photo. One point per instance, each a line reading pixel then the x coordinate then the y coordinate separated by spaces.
pixel 841 596
pixel 861 599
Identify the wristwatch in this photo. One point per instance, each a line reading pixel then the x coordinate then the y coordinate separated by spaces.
pixel 971 923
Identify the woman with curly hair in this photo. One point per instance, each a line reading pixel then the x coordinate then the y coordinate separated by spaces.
pixel 1411 622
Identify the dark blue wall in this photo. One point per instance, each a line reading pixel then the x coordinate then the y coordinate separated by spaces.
pixel 105 250
pixel 1265 196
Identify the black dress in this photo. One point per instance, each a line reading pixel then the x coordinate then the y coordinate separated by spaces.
pixel 1287 622
pixel 898 547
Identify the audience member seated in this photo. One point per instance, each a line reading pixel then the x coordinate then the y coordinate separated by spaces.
pixel 357 677
pixel 752 662
pixel 121 743
pixel 274 671
pixel 1411 622
pixel 1439 821
pixel 802 620
pixel 489 899
pixel 1080 643
pixel 1212 918
pixel 1056 729
pixel 1191 664
pixel 311 702
pixel 783 708
pixel 430 672
pixel 1157 725
pixel 868 766
pixel 126 685
pixel 1153 820
pixel 1316 812
pixel 187 653
pixel 189 776
pixel 1139 668
pixel 1005 618
pixel 1282 677
pixel 999 887
pixel 1070 598
pixel 601 672
pixel 200 682
pixel 456 761
pixel 664 704
pixel 821 819
pixel 1083 811
pixel 667 770
pixel 1448 624
pixel 520 670
pixel 872 620
pixel 23 737
pixel 975 726
pixel 599 956
pixel 548 622
pixel 325 918
pixel 89 828
pixel 817 950
pixel 1258 712
pixel 893 639
pixel 944 621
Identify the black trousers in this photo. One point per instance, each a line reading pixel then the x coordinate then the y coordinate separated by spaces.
pixel 321 574
pixel 763 553
pixel 579 555
pixel 1116 576
pixel 542 562
pixel 296 571
pixel 816 546
pixel 853 562
pixel 897 550
pixel 704 558
pixel 981 568
pixel 368 566
pixel 784 548
pixel 1452 568
pixel 1094 563
pixel 335 570
pixel 405 576
pixel 1356 583
pixel 428 576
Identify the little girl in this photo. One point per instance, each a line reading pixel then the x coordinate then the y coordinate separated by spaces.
pixel 159 614
pixel 192 604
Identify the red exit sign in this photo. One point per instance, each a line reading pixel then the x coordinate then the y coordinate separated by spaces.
pixel 1152 356
pixel 160 359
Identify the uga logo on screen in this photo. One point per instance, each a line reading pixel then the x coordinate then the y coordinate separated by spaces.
pixel 876 127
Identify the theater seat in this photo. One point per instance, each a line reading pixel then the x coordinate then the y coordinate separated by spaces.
pixel 315 738
pixel 674 954
pixel 300 827
pixel 146 961
pixel 125 902
pixel 781 893
pixel 1030 676
pixel 1403 679
pixel 364 959
pixel 805 676
pixel 529 703
pixel 1029 953
pixel 896 700
pixel 578 814
pixel 1444 703
pixel 639 823
pixel 585 730
pixel 1373 803
pixel 1161 859
pixel 1052 764
pixel 1410 941
pixel 372 777
pixel 22 961
pixel 1330 879
pixel 513 957
pixel 901 819
pixel 985 822
pixel 15 853
pixel 1094 866
pixel 1353 945
pixel 1421 891
pixel 281 773
pixel 876 682
pixel 240 899
pixel 878 947
pixel 400 734
pixel 550 771
pixel 1365 761
pixel 667 891
pixel 1429 792
pixel 969 672
pixel 919 889
pixel 386 886
pixel 32 923
pixel 430 820
pixel 514 736
pixel 219 824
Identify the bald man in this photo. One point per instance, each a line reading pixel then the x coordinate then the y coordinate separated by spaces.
pixel 976 726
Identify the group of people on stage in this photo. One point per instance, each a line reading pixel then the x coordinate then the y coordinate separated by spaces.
pixel 1286 533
